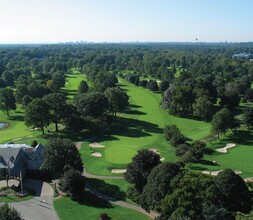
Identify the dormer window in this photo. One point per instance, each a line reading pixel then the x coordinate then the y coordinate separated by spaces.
pixel 11 158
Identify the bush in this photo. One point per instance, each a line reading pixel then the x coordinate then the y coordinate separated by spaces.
pixel 133 194
pixel 72 182
pixel 9 213
pixel 104 216
pixel 174 135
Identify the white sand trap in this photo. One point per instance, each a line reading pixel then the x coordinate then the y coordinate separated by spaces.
pixel 118 170
pixel 96 154
pixel 162 159
pixel 225 149
pixel 154 150
pixel 96 145
pixel 250 179
pixel 215 173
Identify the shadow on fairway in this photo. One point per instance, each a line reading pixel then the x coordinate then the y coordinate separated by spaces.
pixel 17 118
pixel 135 112
pixel 89 199
pixel 107 189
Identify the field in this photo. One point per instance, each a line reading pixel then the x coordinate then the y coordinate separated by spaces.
pixel 90 207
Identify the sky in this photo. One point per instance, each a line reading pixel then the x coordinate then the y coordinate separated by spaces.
pixel 53 21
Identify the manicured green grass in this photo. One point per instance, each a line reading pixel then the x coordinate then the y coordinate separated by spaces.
pixel 90 207
pixel 73 80
pixel 238 158
pixel 17 129
pixel 139 127
pixel 13 198
pixel 114 188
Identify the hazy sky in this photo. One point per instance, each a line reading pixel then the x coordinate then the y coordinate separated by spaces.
pixel 34 21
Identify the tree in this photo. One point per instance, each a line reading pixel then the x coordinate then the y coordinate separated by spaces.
pixel 164 85
pixel 248 117
pixel 37 114
pixel 140 167
pixel 197 150
pixel 9 213
pixel 72 182
pixel 7 76
pixel 58 79
pixel 92 104
pixel 231 99
pixel 118 99
pixel 157 186
pixel 173 134
pixel 222 121
pixel 189 191
pixel 203 107
pixel 152 85
pixel 58 107
pixel 26 100
pixel 232 192
pixel 249 95
pixel 60 155
pixel 83 87
pixel 7 100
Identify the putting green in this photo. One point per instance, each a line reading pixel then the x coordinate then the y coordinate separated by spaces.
pixel 121 155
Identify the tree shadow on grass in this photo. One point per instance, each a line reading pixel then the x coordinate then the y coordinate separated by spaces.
pixel 134 128
pixel 89 199
pixel 134 112
pixel 134 106
pixel 107 189
pixel 16 118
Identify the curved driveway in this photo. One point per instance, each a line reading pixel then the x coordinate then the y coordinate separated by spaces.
pixel 41 206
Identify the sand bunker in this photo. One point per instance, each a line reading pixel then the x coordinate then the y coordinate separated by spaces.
pixel 118 170
pixel 96 154
pixel 249 179
pixel 225 149
pixel 154 150
pixel 162 159
pixel 96 145
pixel 215 173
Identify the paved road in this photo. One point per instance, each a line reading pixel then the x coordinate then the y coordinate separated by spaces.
pixel 41 206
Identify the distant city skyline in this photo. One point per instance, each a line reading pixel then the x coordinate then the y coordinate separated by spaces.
pixel 54 21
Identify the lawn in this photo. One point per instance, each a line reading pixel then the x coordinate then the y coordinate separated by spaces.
pixel 238 158
pixel 16 129
pixel 114 188
pixel 73 80
pixel 141 126
pixel 90 207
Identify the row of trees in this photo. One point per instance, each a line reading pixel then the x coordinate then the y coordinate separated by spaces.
pixel 176 193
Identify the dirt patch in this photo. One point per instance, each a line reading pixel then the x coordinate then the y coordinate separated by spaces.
pixel 96 145
pixel 118 170
pixel 96 154
pixel 225 149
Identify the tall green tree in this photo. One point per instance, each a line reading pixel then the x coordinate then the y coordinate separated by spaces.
pixel 140 167
pixel 232 192
pixel 37 114
pixel 58 107
pixel 83 87
pixel 203 107
pixel 92 104
pixel 7 100
pixel 118 100
pixel 61 155
pixel 222 121
pixel 157 186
